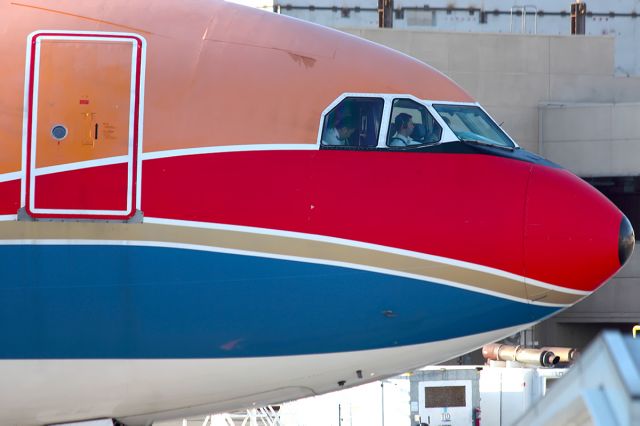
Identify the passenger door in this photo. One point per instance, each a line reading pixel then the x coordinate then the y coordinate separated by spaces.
pixel 83 124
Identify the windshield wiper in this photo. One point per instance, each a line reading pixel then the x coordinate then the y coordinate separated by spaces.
pixel 483 143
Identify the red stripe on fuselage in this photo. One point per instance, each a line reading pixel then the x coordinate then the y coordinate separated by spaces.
pixel 466 207
pixel 9 197
pixel 95 188
pixel 539 222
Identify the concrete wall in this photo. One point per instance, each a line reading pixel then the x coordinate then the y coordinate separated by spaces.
pixel 592 139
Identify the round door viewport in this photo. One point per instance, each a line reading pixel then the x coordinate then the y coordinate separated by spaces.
pixel 59 132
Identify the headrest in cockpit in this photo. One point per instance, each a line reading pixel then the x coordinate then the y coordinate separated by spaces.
pixel 419 132
pixel 392 132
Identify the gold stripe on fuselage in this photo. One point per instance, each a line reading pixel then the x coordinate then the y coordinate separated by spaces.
pixel 285 246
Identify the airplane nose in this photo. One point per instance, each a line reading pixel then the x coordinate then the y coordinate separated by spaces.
pixel 574 237
pixel 626 240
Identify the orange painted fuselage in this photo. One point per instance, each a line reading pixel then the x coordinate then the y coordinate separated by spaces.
pixel 175 238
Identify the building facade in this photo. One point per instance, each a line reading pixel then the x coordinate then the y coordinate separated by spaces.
pixel 619 19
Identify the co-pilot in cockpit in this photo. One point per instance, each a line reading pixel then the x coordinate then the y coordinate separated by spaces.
pixel 411 124
pixel 403 131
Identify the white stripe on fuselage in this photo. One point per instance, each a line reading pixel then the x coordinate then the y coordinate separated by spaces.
pixel 35 392
pixel 6 177
pixel 80 165
pixel 228 148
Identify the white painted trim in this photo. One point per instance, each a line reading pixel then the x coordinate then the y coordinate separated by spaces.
pixel 447 134
pixel 384 128
pixel 384 96
pixel 34 122
pixel 435 101
pixel 499 126
pixel 108 161
pixel 127 38
pixel 359 244
pixel 80 212
pixel 162 244
pixel 25 120
pixel 141 94
pixel 36 99
pixel 159 154
pixel 555 287
pixel 132 117
pixel 86 33
pixel 8 217
pixel 227 148
pixel 475 104
pixel 7 177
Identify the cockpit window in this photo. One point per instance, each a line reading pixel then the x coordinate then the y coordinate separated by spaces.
pixel 354 123
pixel 411 125
pixel 471 123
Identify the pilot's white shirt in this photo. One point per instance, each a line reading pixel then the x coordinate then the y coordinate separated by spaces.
pixel 402 140
pixel 331 138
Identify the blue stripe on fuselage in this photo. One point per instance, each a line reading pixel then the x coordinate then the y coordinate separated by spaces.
pixel 93 301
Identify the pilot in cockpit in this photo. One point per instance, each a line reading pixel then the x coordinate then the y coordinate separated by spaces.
pixel 340 133
pixel 404 128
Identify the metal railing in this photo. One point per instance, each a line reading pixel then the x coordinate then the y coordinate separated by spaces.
pixel 263 416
